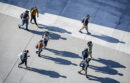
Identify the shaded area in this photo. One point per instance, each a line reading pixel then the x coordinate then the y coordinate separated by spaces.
pixel 64 53
pixel 108 68
pixel 59 60
pixel 51 74
pixel 107 38
pixel 112 13
pixel 55 29
pixel 102 80
pixel 53 36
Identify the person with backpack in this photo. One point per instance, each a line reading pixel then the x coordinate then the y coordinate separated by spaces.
pixel 33 12
pixel 85 24
pixel 45 39
pixel 39 47
pixel 24 56
pixel 85 53
pixel 25 17
pixel 90 45
pixel 84 66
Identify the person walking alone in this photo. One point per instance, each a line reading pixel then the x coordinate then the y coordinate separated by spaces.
pixel 85 24
pixel 24 58
pixel 25 17
pixel 33 12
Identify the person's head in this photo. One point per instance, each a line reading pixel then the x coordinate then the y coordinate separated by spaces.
pixel 90 43
pixel 87 16
pixel 40 41
pixel 26 51
pixel 47 33
pixel 26 11
pixel 86 49
pixel 35 7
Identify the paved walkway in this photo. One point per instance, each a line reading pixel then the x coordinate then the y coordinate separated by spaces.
pixel 59 63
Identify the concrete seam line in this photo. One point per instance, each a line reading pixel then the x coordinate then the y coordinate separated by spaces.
pixel 17 59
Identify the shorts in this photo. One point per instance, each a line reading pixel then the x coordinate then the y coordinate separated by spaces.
pixel 85 26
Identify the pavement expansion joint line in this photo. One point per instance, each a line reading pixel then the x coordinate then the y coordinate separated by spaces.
pixel 17 59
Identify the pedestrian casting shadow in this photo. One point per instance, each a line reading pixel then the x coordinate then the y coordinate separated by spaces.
pixel 108 68
pixel 64 53
pixel 51 74
pixel 52 28
pixel 59 60
pixel 102 80
pixel 53 36
pixel 107 38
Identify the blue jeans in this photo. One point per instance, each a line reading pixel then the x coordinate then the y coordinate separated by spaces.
pixel 24 22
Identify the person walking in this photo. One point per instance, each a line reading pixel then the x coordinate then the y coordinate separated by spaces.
pixel 39 47
pixel 33 12
pixel 90 45
pixel 45 39
pixel 25 17
pixel 84 66
pixel 85 24
pixel 24 58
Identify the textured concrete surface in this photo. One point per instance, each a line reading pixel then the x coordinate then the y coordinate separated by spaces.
pixel 59 63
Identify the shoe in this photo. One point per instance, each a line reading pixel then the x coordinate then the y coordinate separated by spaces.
pixel 19 66
pixel 87 77
pixel 80 31
pixel 37 25
pixel 79 72
pixel 27 29
pixel 19 26
pixel 88 33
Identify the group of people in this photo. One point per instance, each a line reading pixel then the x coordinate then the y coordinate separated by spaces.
pixel 25 17
pixel 45 38
pixel 84 64
pixel 42 44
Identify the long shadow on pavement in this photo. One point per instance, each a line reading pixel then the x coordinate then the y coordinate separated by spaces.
pixel 108 68
pixel 59 60
pixel 53 36
pixel 102 80
pixel 107 38
pixel 64 53
pixel 53 28
pixel 51 74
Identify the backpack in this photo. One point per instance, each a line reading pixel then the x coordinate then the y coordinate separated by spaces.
pixel 84 54
pixel 21 55
pixel 83 20
pixel 21 16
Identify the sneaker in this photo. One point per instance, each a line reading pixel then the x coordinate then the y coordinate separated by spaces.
pixel 80 31
pixel 87 76
pixel 79 72
pixel 88 33
pixel 27 29
pixel 19 26
pixel 37 25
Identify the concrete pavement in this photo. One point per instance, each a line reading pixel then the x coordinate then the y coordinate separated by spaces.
pixel 59 63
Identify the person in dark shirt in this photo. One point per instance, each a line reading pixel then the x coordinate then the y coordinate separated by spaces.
pixel 24 58
pixel 25 17
pixel 85 24
pixel 84 66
